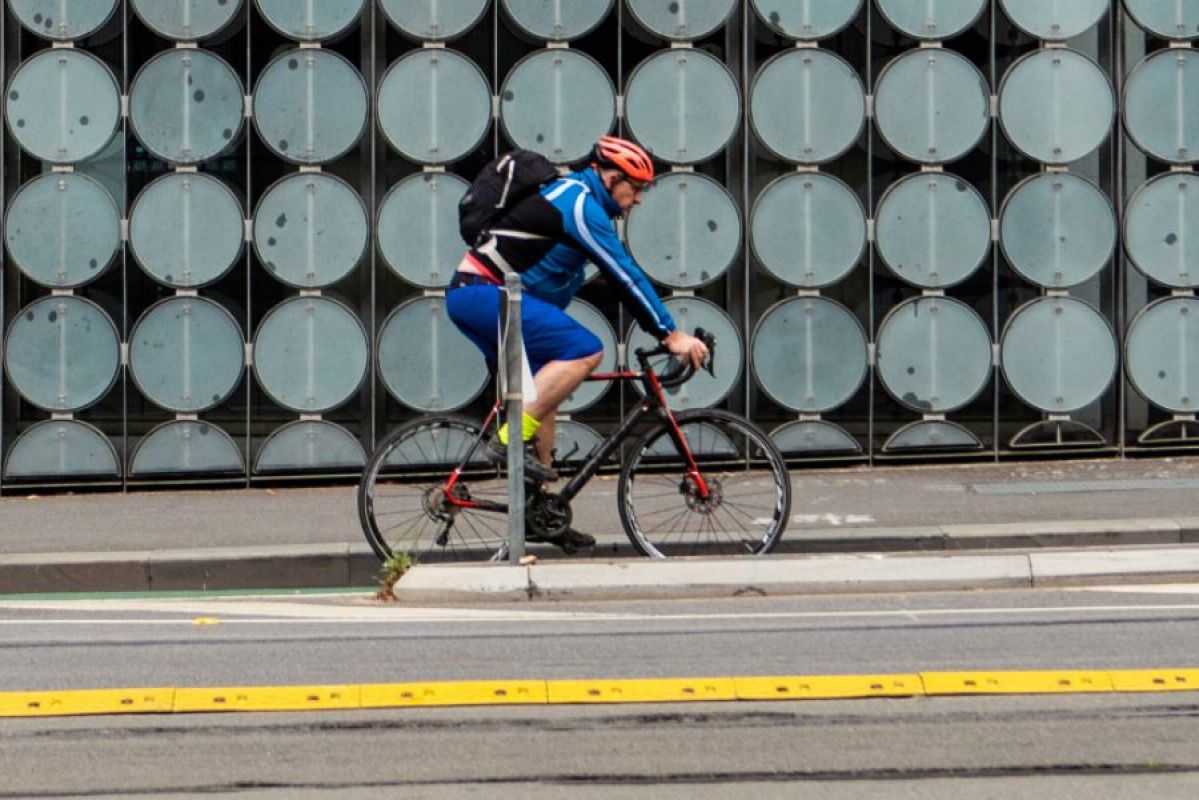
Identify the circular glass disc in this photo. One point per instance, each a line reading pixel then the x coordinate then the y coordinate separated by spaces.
pixel 807 106
pixel 558 103
pixel 703 390
pixel 932 105
pixel 1056 106
pixel 807 19
pixel 310 106
pixel 809 354
pixel 310 354
pixel 1168 19
pixel 686 230
pixel 589 392
pixel 186 229
pixel 1058 354
pixel 434 106
pixel 186 354
pixel 186 105
pixel 557 20
pixel 310 230
pixel 425 361
pixel 310 444
pixel 934 354
pixel 62 353
pixel 1162 354
pixel 431 20
pixel 185 447
pixel 311 20
pixel 418 228
pixel 813 436
pixel 682 105
pixel 1161 105
pixel 933 229
pixel 937 19
pixel 1054 20
pixel 63 229
pixel 808 229
pixel 1161 229
pixel 186 20
pixel 60 20
pixel 574 442
pixel 681 19
pixel 63 105
pixel 61 447
pixel 1057 229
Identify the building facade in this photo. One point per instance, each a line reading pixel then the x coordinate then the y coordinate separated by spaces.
pixel 953 230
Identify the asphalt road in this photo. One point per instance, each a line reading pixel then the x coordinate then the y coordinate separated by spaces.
pixel 1060 746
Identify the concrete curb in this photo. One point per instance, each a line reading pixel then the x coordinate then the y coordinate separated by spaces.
pixel 908 559
pixel 819 574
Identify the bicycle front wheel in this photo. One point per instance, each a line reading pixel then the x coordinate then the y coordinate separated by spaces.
pixel 748 499
pixel 402 498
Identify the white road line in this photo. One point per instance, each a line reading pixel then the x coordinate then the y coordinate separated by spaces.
pixel 260 616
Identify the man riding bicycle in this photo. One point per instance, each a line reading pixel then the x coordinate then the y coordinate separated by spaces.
pixel 548 238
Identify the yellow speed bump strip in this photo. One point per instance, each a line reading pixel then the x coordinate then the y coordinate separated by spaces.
pixel 87 701
pixel 828 687
pixel 594 690
pixel 953 683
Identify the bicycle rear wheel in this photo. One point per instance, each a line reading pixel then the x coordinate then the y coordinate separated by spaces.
pixel 749 499
pixel 402 502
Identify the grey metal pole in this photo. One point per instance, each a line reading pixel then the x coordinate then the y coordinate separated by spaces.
pixel 513 354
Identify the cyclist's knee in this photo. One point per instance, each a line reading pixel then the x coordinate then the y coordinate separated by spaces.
pixel 593 361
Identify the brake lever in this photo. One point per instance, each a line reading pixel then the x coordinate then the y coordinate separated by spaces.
pixel 709 341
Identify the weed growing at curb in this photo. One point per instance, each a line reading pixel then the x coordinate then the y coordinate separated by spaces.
pixel 393 569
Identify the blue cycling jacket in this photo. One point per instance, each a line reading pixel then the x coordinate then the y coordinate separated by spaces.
pixel 549 238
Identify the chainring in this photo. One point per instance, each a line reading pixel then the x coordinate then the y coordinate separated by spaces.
pixel 546 516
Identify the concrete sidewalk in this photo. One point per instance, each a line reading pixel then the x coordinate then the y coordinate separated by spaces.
pixel 916 527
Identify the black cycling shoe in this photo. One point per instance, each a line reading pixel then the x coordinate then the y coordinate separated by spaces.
pixel 569 540
pixel 535 471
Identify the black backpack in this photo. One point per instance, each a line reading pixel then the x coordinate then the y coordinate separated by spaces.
pixel 500 185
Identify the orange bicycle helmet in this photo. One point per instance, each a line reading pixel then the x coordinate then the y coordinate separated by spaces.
pixel 629 158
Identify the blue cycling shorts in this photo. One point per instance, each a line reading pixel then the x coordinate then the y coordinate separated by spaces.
pixel 550 333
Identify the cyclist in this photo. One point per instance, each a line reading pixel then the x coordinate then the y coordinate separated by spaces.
pixel 548 238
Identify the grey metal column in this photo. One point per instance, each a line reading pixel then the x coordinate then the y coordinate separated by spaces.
pixel 513 394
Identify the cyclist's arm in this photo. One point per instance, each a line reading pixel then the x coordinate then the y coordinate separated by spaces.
pixel 588 225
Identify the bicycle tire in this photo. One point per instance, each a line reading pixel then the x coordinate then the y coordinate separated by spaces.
pixel 660 507
pixel 398 502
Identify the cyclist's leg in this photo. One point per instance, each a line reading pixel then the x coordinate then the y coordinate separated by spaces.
pixel 561 353
pixel 475 312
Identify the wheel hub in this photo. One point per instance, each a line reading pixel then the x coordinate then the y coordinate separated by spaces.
pixel 700 505
pixel 436 502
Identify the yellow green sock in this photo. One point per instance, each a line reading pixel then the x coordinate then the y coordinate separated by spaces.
pixel 528 429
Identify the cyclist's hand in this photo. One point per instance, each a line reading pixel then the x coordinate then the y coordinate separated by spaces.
pixel 687 347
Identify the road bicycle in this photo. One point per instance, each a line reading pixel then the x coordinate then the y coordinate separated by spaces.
pixel 696 482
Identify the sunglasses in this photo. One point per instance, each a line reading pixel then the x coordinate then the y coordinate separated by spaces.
pixel 638 186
